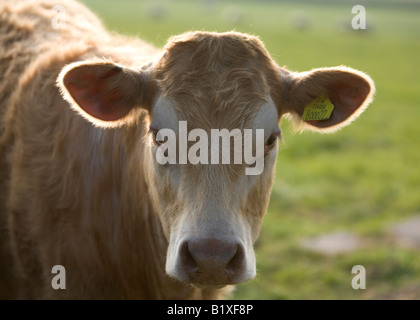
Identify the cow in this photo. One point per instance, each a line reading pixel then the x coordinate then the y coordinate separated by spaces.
pixel 81 112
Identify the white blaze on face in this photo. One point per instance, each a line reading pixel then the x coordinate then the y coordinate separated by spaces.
pixel 164 115
pixel 165 120
pixel 264 124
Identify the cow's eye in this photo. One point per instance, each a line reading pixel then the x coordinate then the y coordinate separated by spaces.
pixel 153 132
pixel 271 141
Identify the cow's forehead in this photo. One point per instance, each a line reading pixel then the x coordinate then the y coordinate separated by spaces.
pixel 215 80
pixel 206 50
pixel 262 115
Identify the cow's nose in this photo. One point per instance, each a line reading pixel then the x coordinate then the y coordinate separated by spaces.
pixel 212 261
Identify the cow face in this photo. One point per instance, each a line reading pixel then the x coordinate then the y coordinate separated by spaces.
pixel 211 211
pixel 208 88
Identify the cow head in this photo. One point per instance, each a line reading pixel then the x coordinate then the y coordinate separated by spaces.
pixel 211 213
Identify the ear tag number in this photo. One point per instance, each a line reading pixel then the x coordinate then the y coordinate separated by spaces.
pixel 318 109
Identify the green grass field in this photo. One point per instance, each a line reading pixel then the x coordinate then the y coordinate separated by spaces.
pixel 361 179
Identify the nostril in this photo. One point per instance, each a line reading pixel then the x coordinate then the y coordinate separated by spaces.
pixel 235 264
pixel 211 261
pixel 187 260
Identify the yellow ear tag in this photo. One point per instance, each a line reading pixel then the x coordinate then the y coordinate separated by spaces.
pixel 318 109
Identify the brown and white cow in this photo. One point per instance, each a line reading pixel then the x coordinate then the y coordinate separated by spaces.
pixel 84 189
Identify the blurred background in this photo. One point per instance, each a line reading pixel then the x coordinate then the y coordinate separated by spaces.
pixel 351 198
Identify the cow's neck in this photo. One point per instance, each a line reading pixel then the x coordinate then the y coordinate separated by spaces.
pixel 122 219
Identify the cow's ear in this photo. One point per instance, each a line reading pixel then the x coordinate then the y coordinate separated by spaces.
pixel 324 99
pixel 106 93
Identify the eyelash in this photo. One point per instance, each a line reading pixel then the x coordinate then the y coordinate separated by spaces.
pixel 271 142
